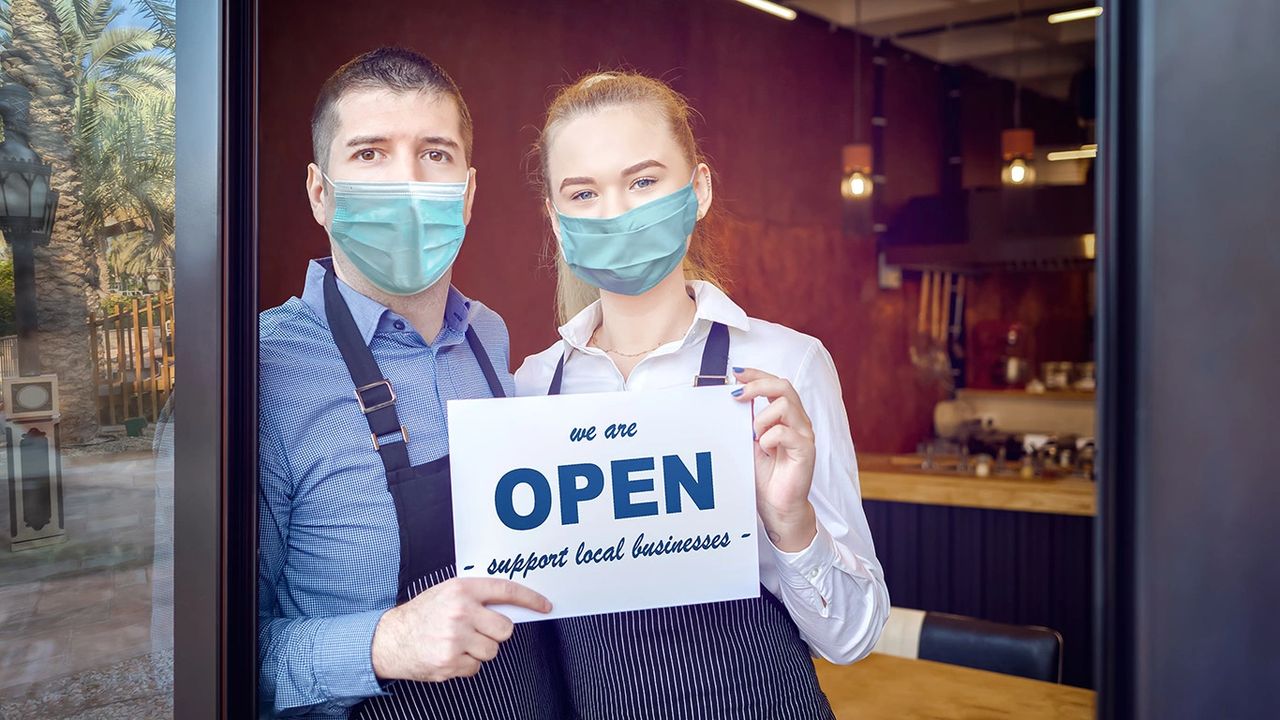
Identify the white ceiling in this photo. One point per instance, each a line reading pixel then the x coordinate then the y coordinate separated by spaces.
pixel 984 34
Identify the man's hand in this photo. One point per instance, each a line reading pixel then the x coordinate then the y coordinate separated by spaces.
pixel 447 631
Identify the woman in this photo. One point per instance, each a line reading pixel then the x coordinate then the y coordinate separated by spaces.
pixel 625 190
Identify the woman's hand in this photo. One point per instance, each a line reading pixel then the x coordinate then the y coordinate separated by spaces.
pixel 784 460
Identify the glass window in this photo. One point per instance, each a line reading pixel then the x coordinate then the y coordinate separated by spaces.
pixel 87 337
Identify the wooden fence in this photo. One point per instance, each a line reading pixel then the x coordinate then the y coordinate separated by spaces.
pixel 133 358
pixel 9 356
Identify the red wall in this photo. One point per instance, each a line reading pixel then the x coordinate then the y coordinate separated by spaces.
pixel 777 102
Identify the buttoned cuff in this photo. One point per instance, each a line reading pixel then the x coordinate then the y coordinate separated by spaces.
pixel 343 656
pixel 807 570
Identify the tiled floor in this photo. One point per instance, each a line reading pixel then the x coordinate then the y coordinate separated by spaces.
pixel 85 605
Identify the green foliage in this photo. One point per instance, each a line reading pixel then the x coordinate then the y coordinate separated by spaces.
pixel 8 314
pixel 124 125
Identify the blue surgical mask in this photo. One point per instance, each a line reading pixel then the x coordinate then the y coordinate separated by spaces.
pixel 631 253
pixel 401 236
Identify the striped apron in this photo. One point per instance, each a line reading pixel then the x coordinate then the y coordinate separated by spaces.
pixel 734 660
pixel 523 681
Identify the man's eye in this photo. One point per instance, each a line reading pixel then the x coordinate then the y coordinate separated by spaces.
pixel 368 155
pixel 438 156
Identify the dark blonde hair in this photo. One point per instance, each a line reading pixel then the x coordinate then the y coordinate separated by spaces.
pixel 593 93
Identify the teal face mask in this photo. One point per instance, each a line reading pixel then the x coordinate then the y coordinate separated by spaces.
pixel 631 253
pixel 401 236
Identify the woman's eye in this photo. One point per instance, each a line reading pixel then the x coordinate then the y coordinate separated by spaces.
pixel 437 156
pixel 642 183
pixel 368 155
pixel 583 195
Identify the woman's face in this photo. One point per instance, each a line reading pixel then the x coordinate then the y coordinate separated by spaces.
pixel 603 164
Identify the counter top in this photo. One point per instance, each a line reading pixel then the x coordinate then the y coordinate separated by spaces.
pixel 898 478
pixel 884 686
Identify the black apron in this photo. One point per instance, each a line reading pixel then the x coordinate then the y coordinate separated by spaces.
pixel 523 680
pixel 736 660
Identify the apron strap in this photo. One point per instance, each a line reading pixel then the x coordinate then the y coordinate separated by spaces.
pixel 373 390
pixel 715 358
pixel 559 375
pixel 715 361
pixel 486 365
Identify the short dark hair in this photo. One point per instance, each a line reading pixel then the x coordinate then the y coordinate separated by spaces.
pixel 387 68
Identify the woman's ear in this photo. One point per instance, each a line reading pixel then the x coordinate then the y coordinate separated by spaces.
pixel 702 189
pixel 471 196
pixel 553 217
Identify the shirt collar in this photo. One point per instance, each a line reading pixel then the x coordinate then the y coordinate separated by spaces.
pixel 370 315
pixel 713 305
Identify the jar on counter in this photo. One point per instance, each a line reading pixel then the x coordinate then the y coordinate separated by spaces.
pixel 1056 375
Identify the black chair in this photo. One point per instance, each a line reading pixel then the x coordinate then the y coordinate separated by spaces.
pixel 1023 650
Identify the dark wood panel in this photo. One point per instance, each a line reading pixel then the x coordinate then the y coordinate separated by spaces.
pixel 1023 568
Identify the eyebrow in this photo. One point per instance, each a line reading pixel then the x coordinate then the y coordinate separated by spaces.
pixel 642 165
pixel 583 180
pixel 380 139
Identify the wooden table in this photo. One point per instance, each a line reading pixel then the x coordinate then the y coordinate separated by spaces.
pixel 884 686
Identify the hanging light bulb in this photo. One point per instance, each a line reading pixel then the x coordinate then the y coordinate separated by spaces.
pixel 1017 146
pixel 856 183
pixel 1018 171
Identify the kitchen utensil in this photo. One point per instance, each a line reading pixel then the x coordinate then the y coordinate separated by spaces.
pixel 928 349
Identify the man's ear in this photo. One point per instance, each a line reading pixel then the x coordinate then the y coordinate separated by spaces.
pixel 316 195
pixel 555 219
pixel 702 189
pixel 471 196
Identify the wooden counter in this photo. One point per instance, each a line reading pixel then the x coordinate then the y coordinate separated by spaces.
pixel 899 479
pixel 884 686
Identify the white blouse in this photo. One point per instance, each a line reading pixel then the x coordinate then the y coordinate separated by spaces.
pixel 834 589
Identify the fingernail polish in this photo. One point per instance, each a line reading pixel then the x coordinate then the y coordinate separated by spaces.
pixel 737 392
pixel 737 369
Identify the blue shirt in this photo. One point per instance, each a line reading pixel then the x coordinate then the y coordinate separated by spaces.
pixel 328 542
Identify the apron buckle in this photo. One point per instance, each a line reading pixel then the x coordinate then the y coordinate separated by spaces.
pixel 366 409
pixel 404 435
pixel 722 380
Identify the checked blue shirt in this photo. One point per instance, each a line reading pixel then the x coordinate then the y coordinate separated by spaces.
pixel 328 542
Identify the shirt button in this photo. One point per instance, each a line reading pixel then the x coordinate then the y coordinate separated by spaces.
pixel 399 324
pixel 813 574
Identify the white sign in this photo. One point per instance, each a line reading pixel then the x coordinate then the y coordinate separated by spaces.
pixel 606 502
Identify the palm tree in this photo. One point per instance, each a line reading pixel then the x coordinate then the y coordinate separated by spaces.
pixel 65 274
pixel 128 166
pixel 90 81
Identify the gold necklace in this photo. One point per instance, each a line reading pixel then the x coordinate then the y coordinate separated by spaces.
pixel 610 351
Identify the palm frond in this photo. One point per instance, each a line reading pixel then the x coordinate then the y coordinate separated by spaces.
pixel 164 21
pixel 118 44
pixel 95 16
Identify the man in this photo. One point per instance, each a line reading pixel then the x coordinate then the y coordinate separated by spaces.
pixel 355 512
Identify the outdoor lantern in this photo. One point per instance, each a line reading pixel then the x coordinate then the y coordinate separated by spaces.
pixel 27 209
pixel 27 205
pixel 153 283
pixel 26 202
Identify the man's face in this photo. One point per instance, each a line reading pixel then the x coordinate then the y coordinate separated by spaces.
pixel 387 136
